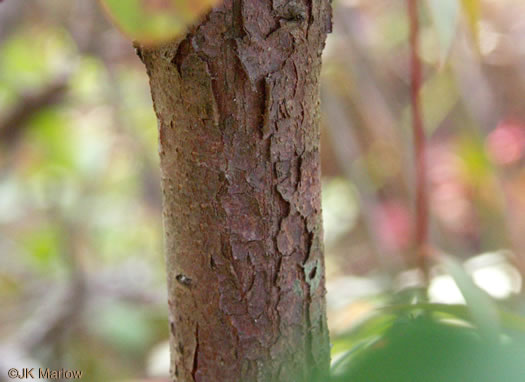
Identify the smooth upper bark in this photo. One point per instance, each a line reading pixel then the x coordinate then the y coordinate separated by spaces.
pixel 237 101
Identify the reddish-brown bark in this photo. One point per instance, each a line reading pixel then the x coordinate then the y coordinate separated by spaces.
pixel 237 101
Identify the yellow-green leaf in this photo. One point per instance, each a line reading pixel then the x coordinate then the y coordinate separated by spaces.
pixel 155 21
pixel 472 10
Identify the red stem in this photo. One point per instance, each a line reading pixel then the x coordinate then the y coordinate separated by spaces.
pixel 419 139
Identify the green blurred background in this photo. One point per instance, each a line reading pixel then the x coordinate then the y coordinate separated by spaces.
pixel 81 260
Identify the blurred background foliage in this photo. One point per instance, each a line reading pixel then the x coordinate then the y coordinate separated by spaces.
pixel 81 260
pixel 155 21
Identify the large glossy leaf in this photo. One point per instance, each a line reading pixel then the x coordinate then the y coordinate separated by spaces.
pixel 155 21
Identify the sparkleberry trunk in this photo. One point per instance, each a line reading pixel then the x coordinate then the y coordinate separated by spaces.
pixel 237 102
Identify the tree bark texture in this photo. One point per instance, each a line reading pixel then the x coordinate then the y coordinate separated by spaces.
pixel 237 101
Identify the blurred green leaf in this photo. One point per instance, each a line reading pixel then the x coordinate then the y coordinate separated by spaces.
pixel 429 337
pixel 508 319
pixel 90 83
pixel 423 348
pixel 484 310
pixel 477 165
pixel 155 21
pixel 125 327
pixel 43 246
pixel 372 327
pixel 445 15
pixel 439 97
pixel 28 59
pixel 50 140
pixel 472 10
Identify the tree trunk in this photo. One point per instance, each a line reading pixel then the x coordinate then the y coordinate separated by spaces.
pixel 237 101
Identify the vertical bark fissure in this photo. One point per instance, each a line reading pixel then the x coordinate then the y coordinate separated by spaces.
pixel 195 354
pixel 237 102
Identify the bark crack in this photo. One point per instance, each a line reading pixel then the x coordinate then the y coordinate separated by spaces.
pixel 195 355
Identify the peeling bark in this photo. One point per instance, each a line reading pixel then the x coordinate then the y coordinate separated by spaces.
pixel 237 102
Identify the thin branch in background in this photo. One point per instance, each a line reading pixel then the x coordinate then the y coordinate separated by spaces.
pixel 12 124
pixel 421 229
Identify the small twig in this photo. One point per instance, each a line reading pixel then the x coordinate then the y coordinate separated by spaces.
pixel 421 221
